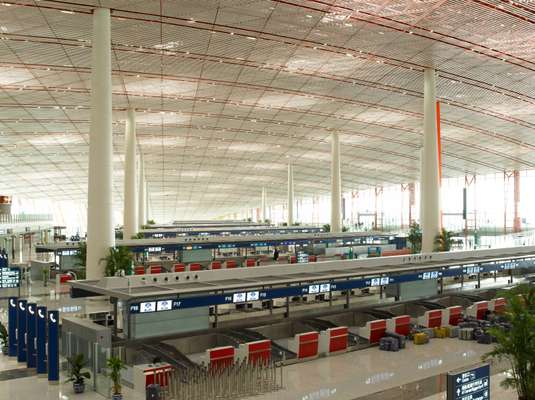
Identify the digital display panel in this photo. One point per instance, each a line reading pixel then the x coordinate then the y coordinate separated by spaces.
pixel 376 282
pixel 239 297
pixel 314 289
pixel 148 306
pixel 253 296
pixel 325 287
pixel 385 280
pixel 164 305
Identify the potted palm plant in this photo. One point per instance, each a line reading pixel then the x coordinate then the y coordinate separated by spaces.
pixel 118 261
pixel 444 240
pixel 517 344
pixel 3 337
pixel 116 365
pixel 415 238
pixel 78 376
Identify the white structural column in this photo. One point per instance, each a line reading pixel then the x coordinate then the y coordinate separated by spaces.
pixel 336 183
pixel 142 197
pixel 130 214
pixel 263 209
pixel 430 181
pixel 100 232
pixel 290 195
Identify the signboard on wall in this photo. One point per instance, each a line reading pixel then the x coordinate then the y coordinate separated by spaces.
pixel 9 278
pixel 470 384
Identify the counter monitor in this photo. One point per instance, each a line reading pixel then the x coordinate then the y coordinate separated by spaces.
pixel 239 297
pixel 148 306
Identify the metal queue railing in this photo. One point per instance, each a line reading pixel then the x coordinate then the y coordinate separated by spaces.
pixel 240 379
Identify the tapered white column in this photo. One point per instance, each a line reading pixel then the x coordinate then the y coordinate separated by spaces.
pixel 130 198
pixel 100 232
pixel 142 197
pixel 290 220
pixel 336 183
pixel 430 181
pixel 263 209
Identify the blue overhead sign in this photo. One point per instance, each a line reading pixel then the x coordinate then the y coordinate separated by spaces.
pixel 472 384
pixel 201 300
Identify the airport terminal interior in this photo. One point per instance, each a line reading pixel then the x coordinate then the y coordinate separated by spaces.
pixel 267 199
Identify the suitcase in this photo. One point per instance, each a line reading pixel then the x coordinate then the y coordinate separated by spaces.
pixel 440 333
pixel 388 344
pixel 430 332
pixel 454 332
pixel 466 333
pixel 484 338
pixel 421 338
pixel 153 392
pixel 400 338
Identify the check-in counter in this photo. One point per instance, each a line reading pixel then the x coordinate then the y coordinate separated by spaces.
pixel 333 340
pixel 431 319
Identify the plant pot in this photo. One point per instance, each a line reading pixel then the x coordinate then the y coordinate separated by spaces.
pixel 117 396
pixel 78 387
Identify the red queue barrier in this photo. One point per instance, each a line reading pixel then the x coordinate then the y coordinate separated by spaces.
pixel 231 264
pixel 250 262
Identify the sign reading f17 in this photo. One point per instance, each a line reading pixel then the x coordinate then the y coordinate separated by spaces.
pixel 472 384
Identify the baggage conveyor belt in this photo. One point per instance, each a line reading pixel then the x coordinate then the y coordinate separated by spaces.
pixel 247 335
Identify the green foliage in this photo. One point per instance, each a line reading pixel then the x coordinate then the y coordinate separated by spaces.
pixel 326 227
pixel 517 345
pixel 81 255
pixel 151 222
pixel 115 365
pixel 267 221
pixel 345 229
pixel 444 240
pixel 119 261
pixel 77 363
pixel 118 234
pixel 139 235
pixel 415 237
pixel 296 223
pixel 3 334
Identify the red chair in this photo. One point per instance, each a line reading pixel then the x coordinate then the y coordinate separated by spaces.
pixel 312 258
pixel 250 262
pixel 195 267
pixel 216 264
pixel 180 267
pixel 139 270
pixel 155 269
pixel 231 264
pixel 293 259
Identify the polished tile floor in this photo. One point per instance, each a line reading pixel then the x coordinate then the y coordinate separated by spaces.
pixel 357 374
pixel 344 377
